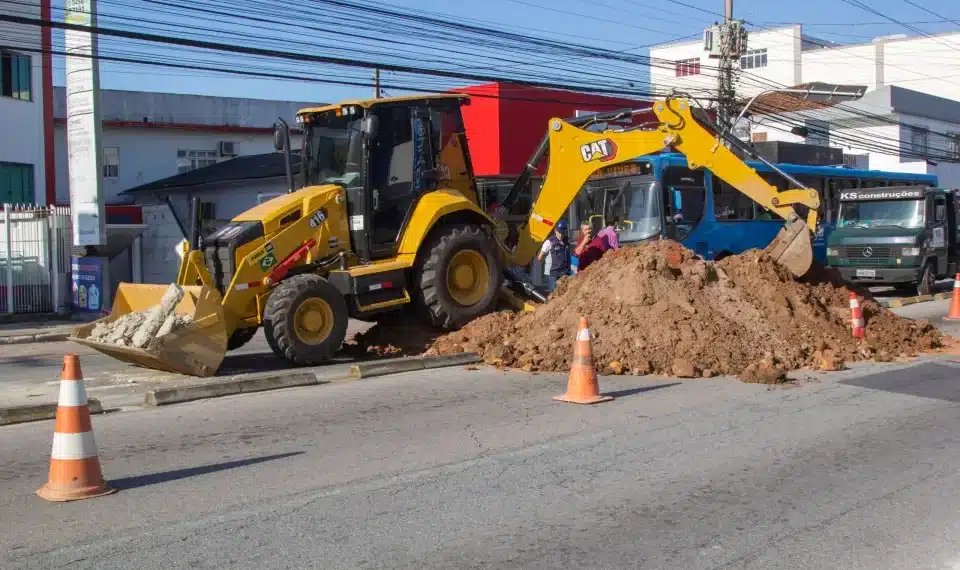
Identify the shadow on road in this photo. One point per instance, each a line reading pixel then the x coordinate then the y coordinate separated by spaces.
pixel 163 477
pixel 640 390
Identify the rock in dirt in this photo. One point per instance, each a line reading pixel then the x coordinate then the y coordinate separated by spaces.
pixel 654 304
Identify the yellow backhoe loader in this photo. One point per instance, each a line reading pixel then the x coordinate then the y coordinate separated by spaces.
pixel 386 216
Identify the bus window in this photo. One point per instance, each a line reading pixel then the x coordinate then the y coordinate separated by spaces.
pixel 729 203
pixel 872 182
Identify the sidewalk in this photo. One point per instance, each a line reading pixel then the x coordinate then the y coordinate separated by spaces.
pixel 39 331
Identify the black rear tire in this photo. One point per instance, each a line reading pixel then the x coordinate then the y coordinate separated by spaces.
pixel 305 320
pixel 445 303
pixel 241 337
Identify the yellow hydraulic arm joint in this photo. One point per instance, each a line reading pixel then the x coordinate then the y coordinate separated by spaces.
pixel 575 154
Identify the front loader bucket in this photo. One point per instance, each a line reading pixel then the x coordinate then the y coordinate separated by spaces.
pixel 196 349
pixel 793 249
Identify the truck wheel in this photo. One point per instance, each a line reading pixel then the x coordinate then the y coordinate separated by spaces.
pixel 305 319
pixel 460 276
pixel 928 281
pixel 241 337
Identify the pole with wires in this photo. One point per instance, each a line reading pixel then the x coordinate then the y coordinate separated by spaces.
pixel 377 93
pixel 727 43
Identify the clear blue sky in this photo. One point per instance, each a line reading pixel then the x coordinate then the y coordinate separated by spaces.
pixel 614 25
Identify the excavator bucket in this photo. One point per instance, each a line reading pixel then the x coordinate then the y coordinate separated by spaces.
pixel 196 349
pixel 793 249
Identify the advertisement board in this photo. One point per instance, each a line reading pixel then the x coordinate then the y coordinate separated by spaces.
pixel 88 282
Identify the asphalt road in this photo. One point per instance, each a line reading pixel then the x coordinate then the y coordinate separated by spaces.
pixel 457 468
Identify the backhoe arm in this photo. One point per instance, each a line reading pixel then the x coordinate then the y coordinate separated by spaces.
pixel 575 154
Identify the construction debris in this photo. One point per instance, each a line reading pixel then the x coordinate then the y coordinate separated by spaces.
pixel 657 308
pixel 141 329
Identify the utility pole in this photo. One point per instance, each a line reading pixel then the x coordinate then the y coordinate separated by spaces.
pixel 376 83
pixel 726 43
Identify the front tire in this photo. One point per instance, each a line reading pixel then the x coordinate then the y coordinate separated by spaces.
pixel 305 320
pixel 460 276
pixel 928 281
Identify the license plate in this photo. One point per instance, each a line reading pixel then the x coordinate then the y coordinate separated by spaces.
pixel 866 272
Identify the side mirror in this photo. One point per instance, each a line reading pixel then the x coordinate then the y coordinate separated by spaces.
pixel 370 126
pixel 279 137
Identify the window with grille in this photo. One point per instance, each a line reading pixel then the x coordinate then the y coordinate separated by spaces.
pixel 15 76
pixel 188 160
pixel 111 162
pixel 918 140
pixel 687 67
pixel 754 58
pixel 16 183
pixel 953 145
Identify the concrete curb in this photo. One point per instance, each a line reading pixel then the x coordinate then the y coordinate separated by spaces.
pixel 37 412
pixel 905 301
pixel 287 379
pixel 31 338
pixel 372 369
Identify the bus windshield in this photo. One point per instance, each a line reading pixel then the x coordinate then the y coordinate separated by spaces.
pixel 892 213
pixel 627 202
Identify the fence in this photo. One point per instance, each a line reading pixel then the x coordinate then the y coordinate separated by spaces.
pixel 34 258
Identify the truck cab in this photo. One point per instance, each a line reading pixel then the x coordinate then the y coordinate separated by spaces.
pixel 897 235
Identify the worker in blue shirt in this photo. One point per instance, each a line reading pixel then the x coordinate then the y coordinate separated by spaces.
pixel 555 255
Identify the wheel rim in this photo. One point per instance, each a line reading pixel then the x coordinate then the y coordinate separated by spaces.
pixel 468 277
pixel 313 321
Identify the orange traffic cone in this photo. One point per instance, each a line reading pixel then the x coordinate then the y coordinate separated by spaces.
pixel 583 387
pixel 74 465
pixel 856 317
pixel 954 313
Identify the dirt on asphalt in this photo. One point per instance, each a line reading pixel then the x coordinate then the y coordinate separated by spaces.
pixel 657 308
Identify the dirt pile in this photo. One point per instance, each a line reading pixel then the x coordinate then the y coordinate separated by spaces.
pixel 656 308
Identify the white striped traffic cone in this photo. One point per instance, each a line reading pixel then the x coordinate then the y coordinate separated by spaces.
pixel 74 465
pixel 856 317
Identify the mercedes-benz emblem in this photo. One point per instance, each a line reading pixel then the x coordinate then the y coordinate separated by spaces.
pixel 867 251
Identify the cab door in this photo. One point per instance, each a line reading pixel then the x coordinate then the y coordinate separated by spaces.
pixel 401 169
pixel 939 232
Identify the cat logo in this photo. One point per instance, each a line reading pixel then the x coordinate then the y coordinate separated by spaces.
pixel 602 151
pixel 317 218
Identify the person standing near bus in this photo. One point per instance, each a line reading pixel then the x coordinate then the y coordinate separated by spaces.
pixel 556 252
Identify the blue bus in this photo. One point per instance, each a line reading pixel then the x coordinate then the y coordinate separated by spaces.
pixel 658 195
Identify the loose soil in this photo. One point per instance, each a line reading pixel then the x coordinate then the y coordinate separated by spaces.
pixel 657 308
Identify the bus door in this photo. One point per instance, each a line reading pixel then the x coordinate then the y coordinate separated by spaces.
pixel 683 195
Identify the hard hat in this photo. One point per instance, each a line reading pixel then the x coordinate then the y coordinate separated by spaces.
pixel 561 226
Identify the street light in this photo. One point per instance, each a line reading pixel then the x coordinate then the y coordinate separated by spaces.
pixel 815 92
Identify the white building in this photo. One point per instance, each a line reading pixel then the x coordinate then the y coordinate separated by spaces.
pixel 908 120
pixel 23 101
pixel 890 128
pixel 786 56
pixel 151 136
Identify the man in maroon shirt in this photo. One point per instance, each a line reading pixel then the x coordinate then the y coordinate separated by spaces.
pixel 591 251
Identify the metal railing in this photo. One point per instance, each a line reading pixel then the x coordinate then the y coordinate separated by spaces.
pixel 34 258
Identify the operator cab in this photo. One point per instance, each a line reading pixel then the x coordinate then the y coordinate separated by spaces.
pixel 386 154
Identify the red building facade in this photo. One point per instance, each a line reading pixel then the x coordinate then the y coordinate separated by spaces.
pixel 506 122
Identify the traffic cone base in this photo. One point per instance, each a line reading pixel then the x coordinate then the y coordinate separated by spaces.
pixel 582 388
pixel 954 313
pixel 83 480
pixel 74 463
